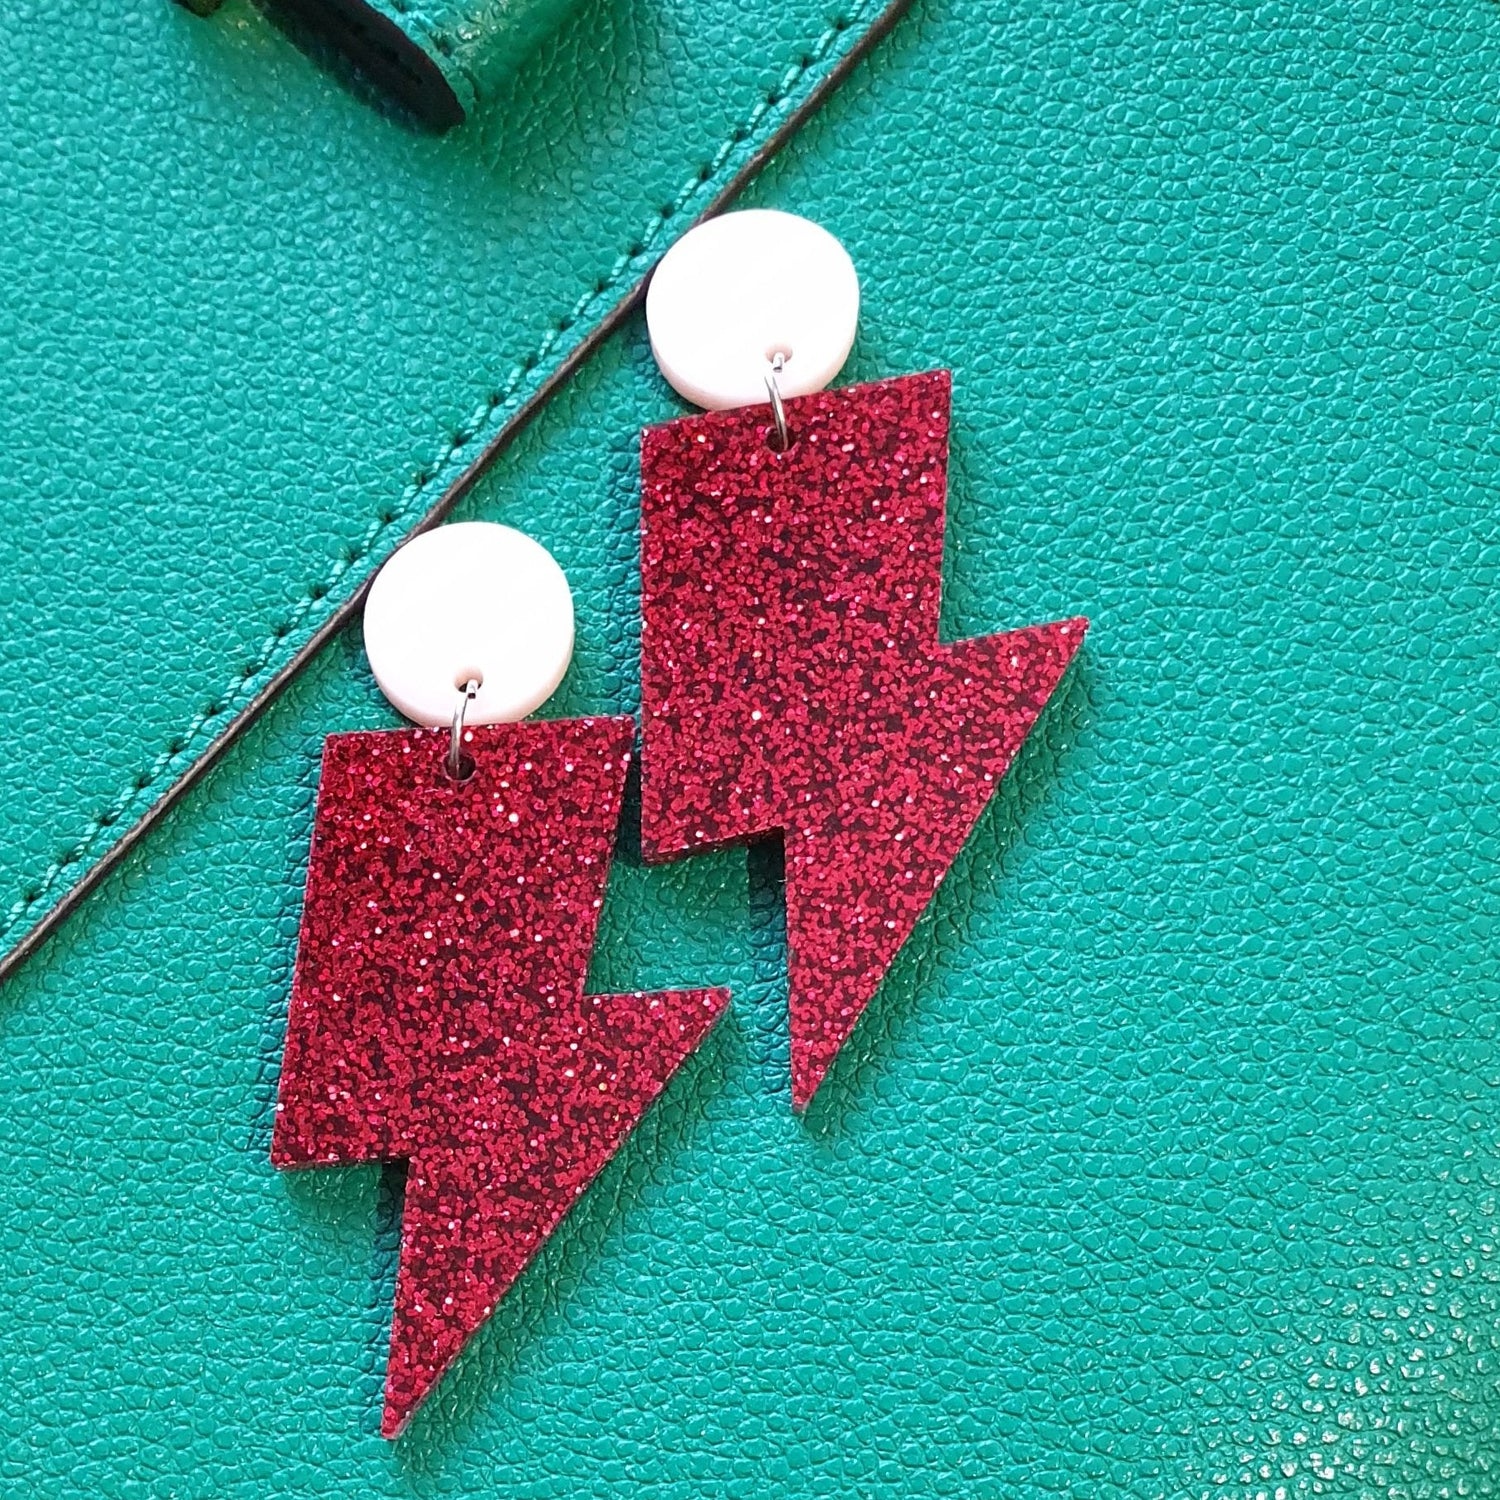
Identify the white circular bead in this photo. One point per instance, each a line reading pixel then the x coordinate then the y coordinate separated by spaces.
pixel 739 289
pixel 472 600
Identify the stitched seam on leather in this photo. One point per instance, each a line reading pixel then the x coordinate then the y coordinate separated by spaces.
pixel 492 411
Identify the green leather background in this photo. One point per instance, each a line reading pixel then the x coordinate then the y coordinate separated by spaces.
pixel 1167 1161
pixel 251 329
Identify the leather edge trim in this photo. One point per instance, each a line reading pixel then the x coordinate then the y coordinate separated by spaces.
pixel 74 896
pixel 371 37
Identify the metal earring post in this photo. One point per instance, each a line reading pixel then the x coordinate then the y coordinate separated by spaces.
pixel 454 763
pixel 778 409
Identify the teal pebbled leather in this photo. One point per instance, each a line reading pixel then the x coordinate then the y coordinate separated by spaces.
pixel 1166 1163
pixel 252 330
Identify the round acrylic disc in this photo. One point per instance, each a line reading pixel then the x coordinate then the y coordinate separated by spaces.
pixel 737 291
pixel 473 601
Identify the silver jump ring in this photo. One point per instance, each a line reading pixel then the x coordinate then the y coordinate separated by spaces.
pixel 466 696
pixel 778 409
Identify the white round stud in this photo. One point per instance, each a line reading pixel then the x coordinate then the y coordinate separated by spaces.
pixel 469 601
pixel 738 290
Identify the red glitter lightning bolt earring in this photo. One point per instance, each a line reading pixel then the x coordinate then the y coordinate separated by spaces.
pixel 438 1012
pixel 792 676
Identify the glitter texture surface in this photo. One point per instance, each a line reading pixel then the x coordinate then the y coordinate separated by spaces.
pixel 792 677
pixel 438 1011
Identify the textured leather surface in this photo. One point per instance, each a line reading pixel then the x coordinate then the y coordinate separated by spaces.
pixel 252 329
pixel 1166 1163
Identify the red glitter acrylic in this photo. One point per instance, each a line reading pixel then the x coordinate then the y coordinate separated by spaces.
pixel 793 680
pixel 438 1012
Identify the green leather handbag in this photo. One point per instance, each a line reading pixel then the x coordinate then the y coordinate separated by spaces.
pixel 1165 1162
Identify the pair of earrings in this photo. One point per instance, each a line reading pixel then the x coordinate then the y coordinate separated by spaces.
pixel 792 682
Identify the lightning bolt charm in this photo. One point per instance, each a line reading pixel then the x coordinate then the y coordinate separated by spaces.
pixel 438 1011
pixel 793 680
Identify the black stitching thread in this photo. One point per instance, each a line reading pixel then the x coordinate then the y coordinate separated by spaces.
pixel 387 516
